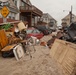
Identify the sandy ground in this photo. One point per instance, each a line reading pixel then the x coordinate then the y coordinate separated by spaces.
pixel 40 64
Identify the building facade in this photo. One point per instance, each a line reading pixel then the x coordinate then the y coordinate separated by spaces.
pixel 46 18
pixel 49 20
pixel 13 10
pixel 23 10
pixel 66 21
pixel 28 12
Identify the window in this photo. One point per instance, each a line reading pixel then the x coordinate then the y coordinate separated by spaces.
pixel 46 19
pixel 16 3
pixel 13 18
pixel 37 31
pixel 10 17
pixel 23 4
pixel 29 31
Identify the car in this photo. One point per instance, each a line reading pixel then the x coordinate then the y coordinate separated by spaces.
pixel 34 32
pixel 44 29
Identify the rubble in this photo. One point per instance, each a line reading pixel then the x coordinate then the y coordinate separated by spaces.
pixel 40 64
pixel 61 51
pixel 9 41
pixel 66 33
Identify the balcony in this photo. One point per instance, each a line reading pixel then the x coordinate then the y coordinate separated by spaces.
pixel 32 9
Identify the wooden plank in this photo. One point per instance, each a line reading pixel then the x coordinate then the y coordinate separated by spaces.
pixel 9 47
pixel 65 54
pixel 69 61
pixel 58 50
pixel 60 54
pixel 54 48
pixel 3 38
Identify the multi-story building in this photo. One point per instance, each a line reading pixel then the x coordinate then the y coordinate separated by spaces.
pixel 49 20
pixel 46 18
pixel 23 10
pixel 28 12
pixel 66 21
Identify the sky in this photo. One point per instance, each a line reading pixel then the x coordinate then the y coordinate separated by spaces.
pixel 55 7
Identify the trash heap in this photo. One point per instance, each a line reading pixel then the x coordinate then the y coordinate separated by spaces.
pixel 62 45
pixel 13 42
pixel 63 49
pixel 66 33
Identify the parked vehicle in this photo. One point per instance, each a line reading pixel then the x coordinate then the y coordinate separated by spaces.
pixel 34 32
pixel 44 29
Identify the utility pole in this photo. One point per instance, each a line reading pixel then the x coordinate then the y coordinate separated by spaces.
pixel 71 15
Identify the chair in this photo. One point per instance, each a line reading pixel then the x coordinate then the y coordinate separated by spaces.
pixel 29 42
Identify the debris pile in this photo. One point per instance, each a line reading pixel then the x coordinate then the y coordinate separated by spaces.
pixel 61 45
pixel 66 33
pixel 11 42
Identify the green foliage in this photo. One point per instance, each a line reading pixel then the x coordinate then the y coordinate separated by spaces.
pixel 6 26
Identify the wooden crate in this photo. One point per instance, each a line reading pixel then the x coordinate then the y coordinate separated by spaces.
pixel 65 54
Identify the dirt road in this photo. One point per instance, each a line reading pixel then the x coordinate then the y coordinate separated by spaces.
pixel 40 64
